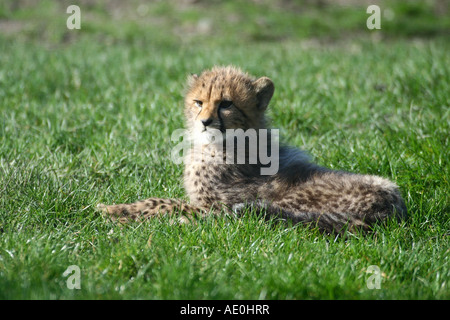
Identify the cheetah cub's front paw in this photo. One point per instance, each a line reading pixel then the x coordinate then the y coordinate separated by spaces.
pixel 116 212
pixel 101 208
pixel 238 208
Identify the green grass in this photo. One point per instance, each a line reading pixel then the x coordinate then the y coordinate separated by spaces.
pixel 90 120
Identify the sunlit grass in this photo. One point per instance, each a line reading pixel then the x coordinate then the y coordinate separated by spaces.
pixel 88 122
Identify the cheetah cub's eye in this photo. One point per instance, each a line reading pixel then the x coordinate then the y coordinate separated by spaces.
pixel 225 104
pixel 198 103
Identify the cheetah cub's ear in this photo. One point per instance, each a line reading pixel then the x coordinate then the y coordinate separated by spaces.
pixel 264 90
pixel 191 79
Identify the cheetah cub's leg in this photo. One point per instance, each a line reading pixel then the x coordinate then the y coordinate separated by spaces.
pixel 152 207
pixel 335 202
pixel 272 210
pixel 268 210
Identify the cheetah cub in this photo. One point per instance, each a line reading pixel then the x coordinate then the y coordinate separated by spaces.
pixel 225 98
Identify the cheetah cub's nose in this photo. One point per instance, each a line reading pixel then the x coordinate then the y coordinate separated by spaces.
pixel 207 122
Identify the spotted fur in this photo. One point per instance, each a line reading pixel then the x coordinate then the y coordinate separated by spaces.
pixel 301 191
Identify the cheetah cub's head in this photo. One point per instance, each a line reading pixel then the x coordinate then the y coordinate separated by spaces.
pixel 226 98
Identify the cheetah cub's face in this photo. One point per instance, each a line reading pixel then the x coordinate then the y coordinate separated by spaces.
pixel 226 98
